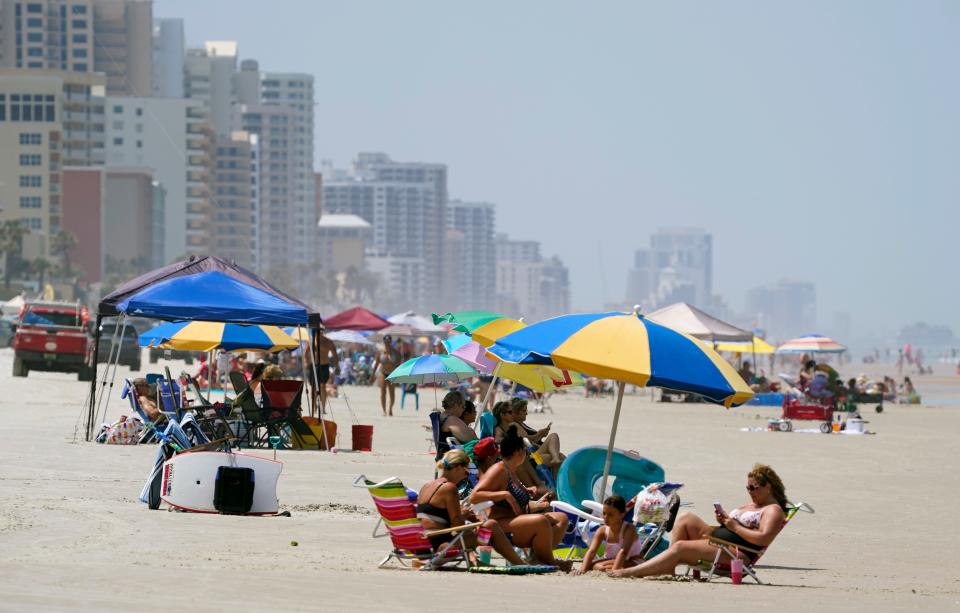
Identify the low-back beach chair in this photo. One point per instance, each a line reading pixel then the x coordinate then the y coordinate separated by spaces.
pixel 720 567
pixel 149 432
pixel 398 512
pixel 285 397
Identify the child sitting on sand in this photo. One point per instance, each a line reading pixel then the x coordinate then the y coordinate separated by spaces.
pixel 623 548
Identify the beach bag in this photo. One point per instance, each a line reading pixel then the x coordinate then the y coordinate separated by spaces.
pixel 233 489
pixel 125 432
pixel 652 506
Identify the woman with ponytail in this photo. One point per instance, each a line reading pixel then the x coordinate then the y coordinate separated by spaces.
pixel 754 525
pixel 438 507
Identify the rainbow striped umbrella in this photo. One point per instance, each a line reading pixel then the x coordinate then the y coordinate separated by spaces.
pixel 628 348
pixel 210 335
pixel 538 377
pixel 811 343
pixel 432 368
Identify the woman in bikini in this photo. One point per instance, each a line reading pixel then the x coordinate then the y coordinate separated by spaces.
pixel 438 507
pixel 754 524
pixel 530 521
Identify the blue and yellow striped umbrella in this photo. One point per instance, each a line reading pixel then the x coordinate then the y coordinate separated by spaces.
pixel 629 348
pixel 210 335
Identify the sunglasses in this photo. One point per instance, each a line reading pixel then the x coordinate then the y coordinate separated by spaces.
pixel 753 488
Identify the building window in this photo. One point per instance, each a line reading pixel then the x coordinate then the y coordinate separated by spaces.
pixel 79 23
pixel 34 8
pixel 118 141
pixel 30 181
pixel 34 223
pixel 34 37
pixel 139 112
pixel 34 52
pixel 79 53
pixel 139 144
pixel 79 67
pixel 34 22
pixel 38 65
pixel 31 202
pixel 117 109
pixel 80 39
pixel 78 9
pixel 3 107
pixel 30 138
pixel 30 159
pixel 51 113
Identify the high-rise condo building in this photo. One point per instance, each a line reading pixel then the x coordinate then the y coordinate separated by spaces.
pixel 234 207
pixel 48 120
pixel 473 275
pixel 406 203
pixel 108 36
pixel 171 137
pixel 169 57
pixel 527 285
pixel 678 267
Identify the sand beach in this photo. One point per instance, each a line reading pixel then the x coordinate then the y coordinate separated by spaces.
pixel 73 535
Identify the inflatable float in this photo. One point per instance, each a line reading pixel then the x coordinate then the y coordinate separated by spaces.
pixel 580 474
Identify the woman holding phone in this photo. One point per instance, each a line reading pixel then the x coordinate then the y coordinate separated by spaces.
pixel 754 524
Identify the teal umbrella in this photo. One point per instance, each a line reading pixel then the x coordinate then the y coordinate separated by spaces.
pixel 433 368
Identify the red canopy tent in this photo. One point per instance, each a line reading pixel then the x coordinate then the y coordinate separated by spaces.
pixel 357 318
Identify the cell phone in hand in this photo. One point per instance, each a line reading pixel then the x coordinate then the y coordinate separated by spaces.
pixel 719 508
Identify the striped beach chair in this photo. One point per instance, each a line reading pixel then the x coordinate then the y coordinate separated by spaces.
pixel 397 508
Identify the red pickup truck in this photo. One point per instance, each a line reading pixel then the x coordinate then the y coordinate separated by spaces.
pixel 53 336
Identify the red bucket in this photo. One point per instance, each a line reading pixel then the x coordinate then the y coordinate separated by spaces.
pixel 362 438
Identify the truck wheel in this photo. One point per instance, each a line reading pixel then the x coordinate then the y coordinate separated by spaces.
pixel 19 368
pixel 879 408
pixel 784 426
pixel 826 428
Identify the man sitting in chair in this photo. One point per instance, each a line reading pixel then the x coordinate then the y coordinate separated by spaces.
pixel 753 525
pixel 145 397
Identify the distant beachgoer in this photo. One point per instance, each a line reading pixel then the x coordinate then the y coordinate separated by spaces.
pixel 387 360
pixel 326 358
pixel 746 372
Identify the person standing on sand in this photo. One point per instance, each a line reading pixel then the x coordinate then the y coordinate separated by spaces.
pixel 326 359
pixel 387 359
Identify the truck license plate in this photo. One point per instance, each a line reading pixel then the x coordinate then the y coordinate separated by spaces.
pixel 49 356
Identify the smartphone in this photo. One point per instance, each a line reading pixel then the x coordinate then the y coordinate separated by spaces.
pixel 719 508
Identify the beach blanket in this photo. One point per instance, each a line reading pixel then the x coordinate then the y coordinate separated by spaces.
pixel 522 569
pixel 124 432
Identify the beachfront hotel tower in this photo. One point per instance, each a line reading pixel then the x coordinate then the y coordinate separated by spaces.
pixel 48 120
pixel 406 204
pixel 107 36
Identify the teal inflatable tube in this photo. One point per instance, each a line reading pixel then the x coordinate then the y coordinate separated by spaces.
pixel 583 470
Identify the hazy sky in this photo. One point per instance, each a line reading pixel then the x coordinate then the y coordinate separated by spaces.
pixel 815 140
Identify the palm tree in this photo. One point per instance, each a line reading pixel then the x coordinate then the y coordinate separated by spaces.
pixel 61 244
pixel 12 232
pixel 40 267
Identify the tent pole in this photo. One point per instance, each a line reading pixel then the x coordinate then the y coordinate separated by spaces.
pixel 613 436
pixel 93 380
pixel 106 374
pixel 113 371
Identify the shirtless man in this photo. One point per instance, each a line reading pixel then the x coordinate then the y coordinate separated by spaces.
pixel 387 359
pixel 145 399
pixel 325 356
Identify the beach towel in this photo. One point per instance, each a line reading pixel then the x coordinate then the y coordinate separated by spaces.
pixel 127 431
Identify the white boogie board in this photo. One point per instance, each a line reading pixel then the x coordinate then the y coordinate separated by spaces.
pixel 189 480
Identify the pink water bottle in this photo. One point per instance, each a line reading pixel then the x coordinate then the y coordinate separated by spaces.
pixel 736 571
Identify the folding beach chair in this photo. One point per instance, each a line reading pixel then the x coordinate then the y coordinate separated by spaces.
pixel 284 398
pixel 397 508
pixel 720 567
pixel 258 424
pixel 149 431
pixel 211 416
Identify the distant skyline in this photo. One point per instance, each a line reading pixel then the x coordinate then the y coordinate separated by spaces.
pixel 816 140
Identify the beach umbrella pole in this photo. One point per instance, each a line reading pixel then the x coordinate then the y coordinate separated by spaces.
pixel 613 436
pixel 486 397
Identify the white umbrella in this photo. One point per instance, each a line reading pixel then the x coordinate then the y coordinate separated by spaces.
pixel 349 337
pixel 417 322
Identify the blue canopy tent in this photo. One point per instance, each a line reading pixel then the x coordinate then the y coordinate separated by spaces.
pixel 206 288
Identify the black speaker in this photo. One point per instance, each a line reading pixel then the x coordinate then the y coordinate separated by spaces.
pixel 233 490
